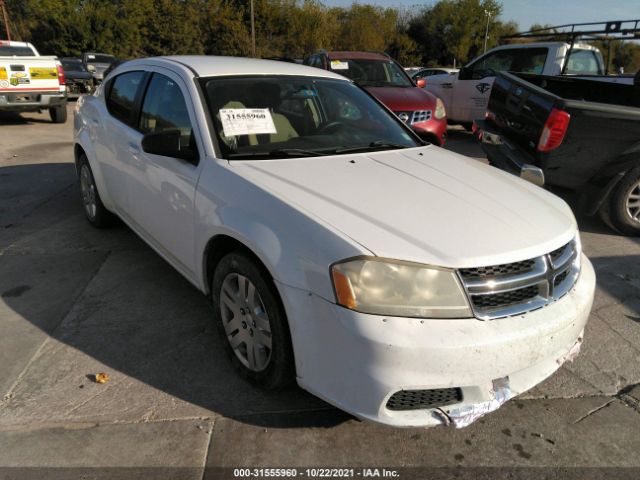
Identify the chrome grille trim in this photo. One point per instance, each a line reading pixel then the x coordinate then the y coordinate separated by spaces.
pixel 536 283
pixel 411 117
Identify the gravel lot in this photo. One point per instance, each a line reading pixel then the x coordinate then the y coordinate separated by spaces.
pixel 76 301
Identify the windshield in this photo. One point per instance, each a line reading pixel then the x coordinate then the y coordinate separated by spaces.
pixel 73 65
pixel 290 116
pixel 10 51
pixel 372 73
pixel 95 58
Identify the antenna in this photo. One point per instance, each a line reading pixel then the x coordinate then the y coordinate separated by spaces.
pixel 5 19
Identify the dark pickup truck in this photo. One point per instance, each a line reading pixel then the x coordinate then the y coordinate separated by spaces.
pixel 570 134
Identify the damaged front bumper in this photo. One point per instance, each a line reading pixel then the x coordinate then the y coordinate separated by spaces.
pixel 357 362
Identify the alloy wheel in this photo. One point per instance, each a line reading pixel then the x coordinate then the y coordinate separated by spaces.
pixel 88 190
pixel 633 202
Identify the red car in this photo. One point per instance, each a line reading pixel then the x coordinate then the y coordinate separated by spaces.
pixel 386 80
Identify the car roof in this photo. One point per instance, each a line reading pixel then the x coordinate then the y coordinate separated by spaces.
pixel 217 66
pixel 345 55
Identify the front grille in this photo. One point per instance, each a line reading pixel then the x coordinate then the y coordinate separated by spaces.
pixel 498 270
pixel 560 278
pixel 514 288
pixel 505 299
pixel 411 117
pixel 424 399
pixel 557 253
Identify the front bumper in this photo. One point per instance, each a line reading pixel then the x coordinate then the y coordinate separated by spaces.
pixel 432 130
pixel 357 361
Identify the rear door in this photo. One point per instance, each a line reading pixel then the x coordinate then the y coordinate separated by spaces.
pixel 473 86
pixel 113 148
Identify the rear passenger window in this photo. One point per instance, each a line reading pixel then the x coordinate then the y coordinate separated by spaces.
pixel 122 95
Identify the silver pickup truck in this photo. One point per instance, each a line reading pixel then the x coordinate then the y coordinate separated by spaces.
pixel 30 82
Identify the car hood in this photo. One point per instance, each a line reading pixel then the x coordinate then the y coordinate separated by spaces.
pixel 423 205
pixel 400 99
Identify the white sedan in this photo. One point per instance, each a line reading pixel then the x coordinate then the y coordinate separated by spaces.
pixel 403 283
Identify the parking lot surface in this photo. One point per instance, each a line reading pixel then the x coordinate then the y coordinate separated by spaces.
pixel 76 301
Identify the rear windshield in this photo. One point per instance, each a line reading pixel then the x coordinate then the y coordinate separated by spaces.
pixel 372 73
pixel 10 51
pixel 584 62
pixel 95 58
pixel 73 65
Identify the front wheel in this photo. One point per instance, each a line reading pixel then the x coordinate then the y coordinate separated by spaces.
pixel 58 114
pixel 624 207
pixel 250 317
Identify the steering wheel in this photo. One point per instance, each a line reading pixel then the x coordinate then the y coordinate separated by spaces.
pixel 331 126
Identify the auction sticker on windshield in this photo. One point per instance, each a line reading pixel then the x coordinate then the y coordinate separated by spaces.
pixel 246 121
pixel 339 65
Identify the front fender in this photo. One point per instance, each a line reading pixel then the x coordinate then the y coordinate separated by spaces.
pixel 296 249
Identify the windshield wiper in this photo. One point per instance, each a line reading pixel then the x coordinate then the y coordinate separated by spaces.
pixel 377 145
pixel 278 152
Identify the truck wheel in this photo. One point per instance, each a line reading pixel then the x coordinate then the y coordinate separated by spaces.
pixel 94 210
pixel 625 204
pixel 251 320
pixel 58 114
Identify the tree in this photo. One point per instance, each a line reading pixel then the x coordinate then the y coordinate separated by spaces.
pixel 455 29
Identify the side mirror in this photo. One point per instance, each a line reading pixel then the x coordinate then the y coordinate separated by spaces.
pixel 421 83
pixel 91 68
pixel 167 144
pixel 464 74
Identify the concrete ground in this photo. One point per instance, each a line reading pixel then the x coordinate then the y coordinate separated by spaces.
pixel 76 301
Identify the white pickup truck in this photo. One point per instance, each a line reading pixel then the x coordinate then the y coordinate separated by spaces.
pixel 465 94
pixel 30 82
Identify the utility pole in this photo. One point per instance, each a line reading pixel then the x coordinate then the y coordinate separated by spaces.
pixel 253 33
pixel 486 32
pixel 5 19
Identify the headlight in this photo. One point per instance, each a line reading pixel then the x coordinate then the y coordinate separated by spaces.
pixel 440 111
pixel 402 289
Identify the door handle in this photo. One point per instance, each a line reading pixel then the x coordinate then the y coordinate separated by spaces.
pixel 447 85
pixel 94 122
pixel 134 149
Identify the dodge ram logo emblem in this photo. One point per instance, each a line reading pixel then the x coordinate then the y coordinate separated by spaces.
pixel 483 87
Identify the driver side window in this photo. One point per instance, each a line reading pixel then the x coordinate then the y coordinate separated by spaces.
pixel 492 64
pixel 164 108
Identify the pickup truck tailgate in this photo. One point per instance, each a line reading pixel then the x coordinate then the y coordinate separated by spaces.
pixel 520 112
pixel 29 74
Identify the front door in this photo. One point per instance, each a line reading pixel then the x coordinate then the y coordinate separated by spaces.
pixel 162 189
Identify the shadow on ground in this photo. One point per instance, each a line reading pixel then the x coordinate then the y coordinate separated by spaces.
pixel 120 307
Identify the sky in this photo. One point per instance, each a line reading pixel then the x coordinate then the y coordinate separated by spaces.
pixel 528 12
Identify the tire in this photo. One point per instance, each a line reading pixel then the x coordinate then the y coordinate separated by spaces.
pixel 252 323
pixel 624 204
pixel 58 114
pixel 94 210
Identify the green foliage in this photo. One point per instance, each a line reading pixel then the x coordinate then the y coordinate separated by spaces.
pixel 435 34
pixel 455 29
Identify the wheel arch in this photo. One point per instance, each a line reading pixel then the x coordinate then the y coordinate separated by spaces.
pixel 220 245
